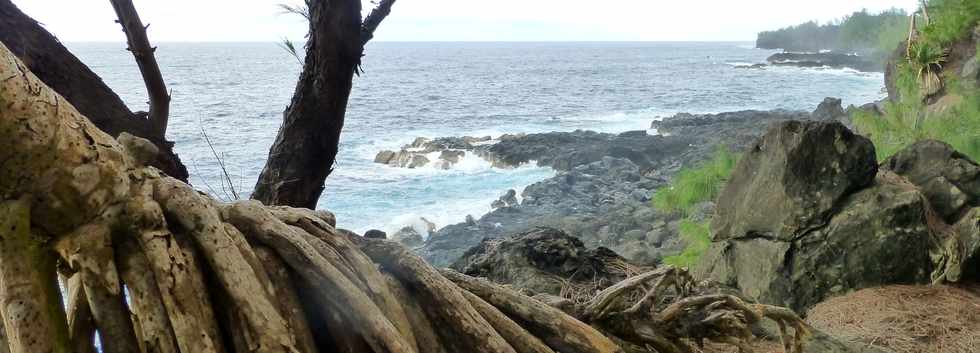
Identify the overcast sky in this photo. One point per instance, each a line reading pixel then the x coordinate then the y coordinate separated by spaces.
pixel 456 20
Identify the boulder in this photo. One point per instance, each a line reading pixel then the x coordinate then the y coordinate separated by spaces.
pixel 828 109
pixel 408 236
pixel 417 161
pixel 962 260
pixel 385 157
pixel 451 156
pixel 792 179
pixel 375 234
pixel 510 198
pixel 543 260
pixel 949 179
pixel 879 236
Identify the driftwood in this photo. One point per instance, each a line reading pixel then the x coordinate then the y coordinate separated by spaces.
pixel 203 276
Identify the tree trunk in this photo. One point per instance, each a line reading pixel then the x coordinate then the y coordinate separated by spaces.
pixel 63 72
pixel 139 45
pixel 305 150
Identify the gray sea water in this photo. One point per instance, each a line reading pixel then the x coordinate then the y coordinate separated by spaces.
pixel 236 92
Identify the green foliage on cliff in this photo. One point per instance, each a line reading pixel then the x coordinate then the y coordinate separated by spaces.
pixel 695 185
pixel 876 34
pixel 950 20
pixel 698 239
pixel 907 119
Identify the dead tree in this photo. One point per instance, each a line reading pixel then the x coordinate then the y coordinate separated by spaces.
pixel 209 277
pixel 306 147
pixel 139 45
pixel 63 72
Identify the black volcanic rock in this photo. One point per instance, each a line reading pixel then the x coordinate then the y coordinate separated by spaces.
pixel 835 60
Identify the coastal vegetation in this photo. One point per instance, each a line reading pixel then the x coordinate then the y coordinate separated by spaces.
pixel 930 102
pixel 690 188
pixel 874 34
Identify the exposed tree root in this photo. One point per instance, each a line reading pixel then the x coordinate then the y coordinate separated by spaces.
pixel 208 277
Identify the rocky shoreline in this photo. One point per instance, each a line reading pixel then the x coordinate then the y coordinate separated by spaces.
pixel 601 192
pixel 817 60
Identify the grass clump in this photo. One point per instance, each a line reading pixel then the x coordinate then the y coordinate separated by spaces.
pixel 695 185
pixel 698 238
pixel 690 187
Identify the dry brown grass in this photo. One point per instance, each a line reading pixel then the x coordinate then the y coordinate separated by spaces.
pixel 905 319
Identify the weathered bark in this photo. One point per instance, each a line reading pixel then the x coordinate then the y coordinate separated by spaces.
pixel 89 252
pixel 561 332
pixel 29 296
pixel 139 45
pixel 306 147
pixel 155 332
pixel 44 55
pixel 81 324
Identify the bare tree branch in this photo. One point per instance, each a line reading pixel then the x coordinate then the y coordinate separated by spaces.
pixel 373 20
pixel 139 45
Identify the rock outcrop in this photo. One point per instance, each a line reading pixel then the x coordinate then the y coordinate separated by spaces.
pixel 544 260
pixel 835 60
pixel 601 193
pixel 557 269
pixel 805 216
pixel 950 180
pixel 790 181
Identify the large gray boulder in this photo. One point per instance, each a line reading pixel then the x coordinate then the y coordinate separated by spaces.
pixel 949 179
pixel 879 236
pixel 791 180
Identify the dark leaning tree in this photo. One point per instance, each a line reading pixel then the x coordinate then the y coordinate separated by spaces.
pixel 62 71
pixel 305 150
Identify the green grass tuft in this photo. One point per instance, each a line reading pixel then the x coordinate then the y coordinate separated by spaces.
pixel 695 185
pixel 690 187
pixel 698 239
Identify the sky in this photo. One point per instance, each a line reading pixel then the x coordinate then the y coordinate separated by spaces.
pixel 456 20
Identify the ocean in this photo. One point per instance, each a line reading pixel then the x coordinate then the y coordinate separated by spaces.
pixel 235 94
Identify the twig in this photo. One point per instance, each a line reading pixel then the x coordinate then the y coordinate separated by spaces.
pixel 221 164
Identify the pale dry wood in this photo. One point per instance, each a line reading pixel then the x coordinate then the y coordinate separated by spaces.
pixel 519 338
pixel 81 324
pixel 178 278
pixel 291 245
pixel 461 327
pixel 557 329
pixel 287 298
pixel 373 282
pixel 425 334
pixel 29 296
pixel 88 251
pixel 155 332
pixel 236 275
